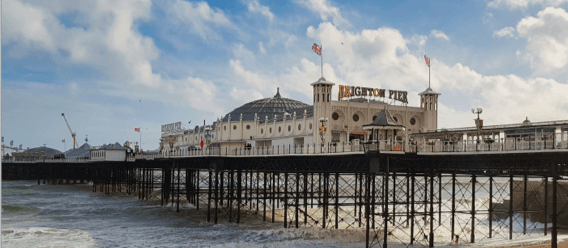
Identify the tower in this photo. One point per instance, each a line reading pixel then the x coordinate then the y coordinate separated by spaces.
pixel 429 102
pixel 322 110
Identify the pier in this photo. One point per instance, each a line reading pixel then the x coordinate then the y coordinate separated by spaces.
pixel 395 197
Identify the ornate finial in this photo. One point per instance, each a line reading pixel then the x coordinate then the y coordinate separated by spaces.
pixel 277 93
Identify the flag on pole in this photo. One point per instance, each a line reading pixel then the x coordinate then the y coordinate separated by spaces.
pixel 136 129
pixel 63 141
pixel 317 49
pixel 427 60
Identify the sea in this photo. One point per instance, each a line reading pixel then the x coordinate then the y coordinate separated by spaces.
pixel 73 216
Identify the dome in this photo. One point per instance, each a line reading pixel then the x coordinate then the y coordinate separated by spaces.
pixel 429 91
pixel 265 107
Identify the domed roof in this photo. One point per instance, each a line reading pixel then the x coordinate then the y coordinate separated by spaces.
pixel 265 107
pixel 43 151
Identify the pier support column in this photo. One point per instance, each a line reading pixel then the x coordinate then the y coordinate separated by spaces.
pixel 473 181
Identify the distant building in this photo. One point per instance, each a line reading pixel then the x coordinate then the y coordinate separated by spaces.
pixel 110 152
pixel 82 152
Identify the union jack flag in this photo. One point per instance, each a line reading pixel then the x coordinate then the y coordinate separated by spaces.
pixel 317 49
pixel 427 60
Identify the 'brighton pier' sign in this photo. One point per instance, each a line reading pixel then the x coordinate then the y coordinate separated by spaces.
pixel 351 91
pixel 171 127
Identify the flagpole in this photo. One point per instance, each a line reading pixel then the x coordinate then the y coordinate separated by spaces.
pixel 321 57
pixel 428 76
pixel 140 131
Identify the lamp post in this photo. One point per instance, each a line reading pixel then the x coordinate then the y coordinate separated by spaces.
pixel 478 122
pixel 323 129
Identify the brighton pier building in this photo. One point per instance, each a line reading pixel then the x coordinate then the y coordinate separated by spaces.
pixel 360 114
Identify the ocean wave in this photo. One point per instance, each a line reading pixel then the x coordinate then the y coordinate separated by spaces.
pixel 18 209
pixel 46 237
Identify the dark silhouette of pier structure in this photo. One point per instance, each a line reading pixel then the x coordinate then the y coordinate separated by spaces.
pixel 395 197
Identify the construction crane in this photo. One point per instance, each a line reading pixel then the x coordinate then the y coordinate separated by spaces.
pixel 71 131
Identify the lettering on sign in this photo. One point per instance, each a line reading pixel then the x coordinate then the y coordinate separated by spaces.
pixel 398 95
pixel 356 91
pixel 171 127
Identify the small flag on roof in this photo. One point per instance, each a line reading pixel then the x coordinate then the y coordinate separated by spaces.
pixel 136 129
pixel 317 49
pixel 63 141
pixel 427 60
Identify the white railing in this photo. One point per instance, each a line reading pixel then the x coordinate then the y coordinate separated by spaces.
pixel 253 151
pixel 503 145
pixel 45 160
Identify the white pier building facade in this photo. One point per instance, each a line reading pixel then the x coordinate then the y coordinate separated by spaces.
pixel 284 122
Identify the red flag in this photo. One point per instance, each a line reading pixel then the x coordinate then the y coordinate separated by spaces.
pixel 136 129
pixel 427 60
pixel 317 49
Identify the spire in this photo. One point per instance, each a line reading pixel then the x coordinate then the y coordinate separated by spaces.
pixel 277 93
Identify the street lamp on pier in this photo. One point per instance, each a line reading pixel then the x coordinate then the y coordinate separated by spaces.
pixel 478 122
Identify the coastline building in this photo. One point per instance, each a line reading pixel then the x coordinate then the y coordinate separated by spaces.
pixel 279 121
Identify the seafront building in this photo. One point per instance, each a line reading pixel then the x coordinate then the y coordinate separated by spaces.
pixel 279 121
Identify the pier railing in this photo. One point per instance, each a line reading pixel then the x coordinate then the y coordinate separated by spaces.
pixel 503 145
pixel 329 148
pixel 45 160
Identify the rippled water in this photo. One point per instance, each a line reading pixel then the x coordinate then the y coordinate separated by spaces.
pixel 72 216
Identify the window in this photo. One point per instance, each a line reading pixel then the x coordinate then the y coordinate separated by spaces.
pixel 279 129
pixel 225 128
pixel 234 127
pixel 335 116
pixel 310 126
pixel 248 127
pixel 299 127
pixel 412 121
pixel 289 128
pixel 270 130
pixel 374 117
pixel 261 130
pixel 395 119
pixel 355 117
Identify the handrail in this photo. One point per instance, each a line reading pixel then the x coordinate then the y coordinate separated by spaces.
pixel 485 128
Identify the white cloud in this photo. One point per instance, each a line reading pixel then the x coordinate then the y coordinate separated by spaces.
pixel 506 31
pixel 261 47
pixel 439 34
pixel 547 40
pixel 419 40
pixel 523 4
pixel 109 43
pixel 255 7
pixel 200 18
pixel 325 10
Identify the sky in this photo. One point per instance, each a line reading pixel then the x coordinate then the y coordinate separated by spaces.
pixel 112 66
